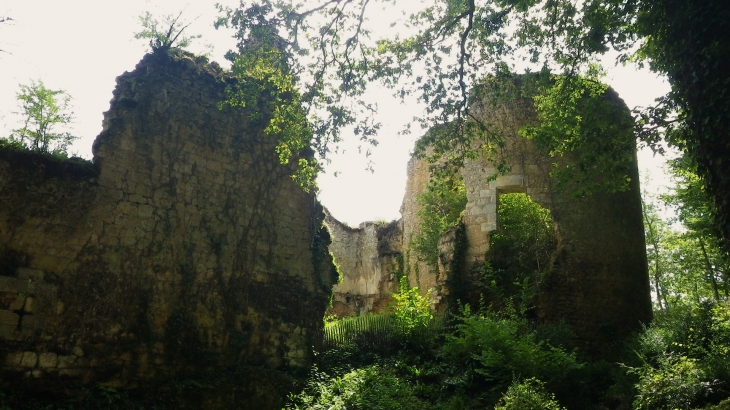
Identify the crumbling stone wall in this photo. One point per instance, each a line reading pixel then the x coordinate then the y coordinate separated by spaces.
pixel 370 260
pixel 420 273
pixel 185 248
pixel 598 282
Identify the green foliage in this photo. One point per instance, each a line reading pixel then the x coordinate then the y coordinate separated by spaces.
pixel 472 364
pixel 520 249
pixel 656 232
pixel 368 388
pixel 528 395
pixel 43 110
pixel 492 350
pixel 686 40
pixel 412 310
pixel 723 405
pixel 411 322
pixel 165 34
pixel 441 206
pixel 675 384
pixel 579 120
pixel 366 331
pixel 687 264
pixel 452 46
pixel 268 88
pixel 684 355
pixel 698 213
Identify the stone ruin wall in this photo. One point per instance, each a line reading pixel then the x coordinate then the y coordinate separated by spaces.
pixel 599 282
pixel 185 248
pixel 370 259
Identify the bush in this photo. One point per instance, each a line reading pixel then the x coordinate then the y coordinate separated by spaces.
pixel 369 388
pixel 412 310
pixel 489 350
pixel 723 405
pixel 675 384
pixel 528 395
pixel 684 357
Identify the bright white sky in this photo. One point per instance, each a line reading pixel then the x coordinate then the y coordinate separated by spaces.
pixel 81 46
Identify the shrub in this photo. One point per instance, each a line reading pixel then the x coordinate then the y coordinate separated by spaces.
pixel 723 405
pixel 684 356
pixel 412 310
pixel 369 388
pixel 528 395
pixel 491 351
pixel 675 384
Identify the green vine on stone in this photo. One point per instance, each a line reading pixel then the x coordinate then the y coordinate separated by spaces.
pixel 441 206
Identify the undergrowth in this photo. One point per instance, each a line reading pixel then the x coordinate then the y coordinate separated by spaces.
pixel 501 360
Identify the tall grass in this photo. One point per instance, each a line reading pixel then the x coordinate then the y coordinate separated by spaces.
pixel 375 332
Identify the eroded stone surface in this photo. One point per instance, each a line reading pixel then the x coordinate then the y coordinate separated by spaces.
pixel 599 281
pixel 370 260
pixel 185 248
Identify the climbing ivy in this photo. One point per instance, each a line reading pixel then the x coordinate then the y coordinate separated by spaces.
pixel 441 205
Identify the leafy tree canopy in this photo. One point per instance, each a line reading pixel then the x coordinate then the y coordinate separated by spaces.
pixel 43 111
pixel 455 44
pixel 269 86
pixel 166 33
pixel 687 263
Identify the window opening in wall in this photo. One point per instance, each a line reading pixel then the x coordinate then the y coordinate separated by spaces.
pixel 520 250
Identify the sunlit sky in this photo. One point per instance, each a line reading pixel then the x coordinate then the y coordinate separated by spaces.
pixel 81 46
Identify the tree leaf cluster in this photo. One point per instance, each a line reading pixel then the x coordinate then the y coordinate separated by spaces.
pixel 320 60
pixel 166 33
pixel 454 44
pixel 45 117
pixel 269 87
pixel 688 262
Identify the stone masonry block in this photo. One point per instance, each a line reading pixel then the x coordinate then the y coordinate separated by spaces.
pixel 45 290
pixel 13 359
pixel 12 285
pixel 65 361
pixel 30 359
pixel 32 322
pixel 33 274
pixel 47 360
pixel 8 318
pixel 17 304
pixel 29 305
pixel 11 333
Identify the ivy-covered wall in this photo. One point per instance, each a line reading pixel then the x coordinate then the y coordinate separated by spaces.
pixel 598 281
pixel 184 248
